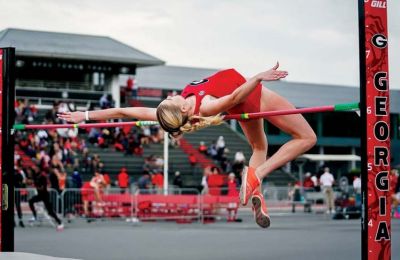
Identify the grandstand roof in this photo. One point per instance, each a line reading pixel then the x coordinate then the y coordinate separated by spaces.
pixel 300 94
pixel 170 77
pixel 73 46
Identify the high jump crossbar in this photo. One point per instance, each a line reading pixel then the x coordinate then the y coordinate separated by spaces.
pixel 244 116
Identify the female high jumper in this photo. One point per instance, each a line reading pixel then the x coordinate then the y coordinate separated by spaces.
pixel 201 104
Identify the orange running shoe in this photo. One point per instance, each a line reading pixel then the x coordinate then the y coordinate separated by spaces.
pixel 250 182
pixel 260 210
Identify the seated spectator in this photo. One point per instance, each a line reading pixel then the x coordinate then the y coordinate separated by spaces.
pixel 220 146
pixel 118 146
pixel 145 135
pixel 314 179
pixel 193 162
pixel 138 150
pixel 308 184
pixel 204 180
pixel 154 134
pixel 93 135
pixel 215 181
pixel 157 179
pixel 238 163
pixel 51 115
pixel 123 180
pixel 232 185
pixel 144 182
pixel 212 151
pixel 202 148
pixel 159 162
pixel 178 182
pixel 107 180
pixel 76 180
pixel 224 162
pixel 106 101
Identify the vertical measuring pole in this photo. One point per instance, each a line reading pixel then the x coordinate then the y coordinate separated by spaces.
pixel 7 96
pixel 166 163
pixel 375 139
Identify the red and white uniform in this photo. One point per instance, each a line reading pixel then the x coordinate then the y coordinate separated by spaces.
pixel 221 84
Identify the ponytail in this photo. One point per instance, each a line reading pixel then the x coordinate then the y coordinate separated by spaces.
pixel 202 122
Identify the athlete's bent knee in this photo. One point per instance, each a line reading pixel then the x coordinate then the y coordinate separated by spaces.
pixel 310 140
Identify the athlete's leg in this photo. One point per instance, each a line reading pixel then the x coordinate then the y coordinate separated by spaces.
pixel 49 207
pixel 254 132
pixel 32 201
pixel 303 136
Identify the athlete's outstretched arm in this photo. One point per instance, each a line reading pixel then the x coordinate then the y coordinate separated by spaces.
pixel 141 113
pixel 211 106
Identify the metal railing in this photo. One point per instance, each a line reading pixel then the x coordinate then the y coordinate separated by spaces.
pixel 54 84
pixel 180 205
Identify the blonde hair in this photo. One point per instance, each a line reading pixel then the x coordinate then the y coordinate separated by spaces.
pixel 174 122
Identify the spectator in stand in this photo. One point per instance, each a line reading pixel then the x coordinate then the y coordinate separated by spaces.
pixel 93 136
pixel 107 179
pixel 106 101
pixel 357 190
pixel 178 182
pixel 232 192
pixel 86 161
pixel 220 146
pixel 224 162
pixel 154 134
pixel 215 181
pixel 290 190
pixel 118 144
pixel 193 162
pixel 232 185
pixel 157 179
pixel 62 180
pixel 129 90
pixel 239 161
pixel 144 182
pixel 327 180
pixel 314 179
pixel 95 163
pixel 51 115
pixel 76 179
pixel 202 148
pixel 308 184
pixel 159 162
pixel 212 151
pixel 123 180
pixel 204 180
pixel 145 135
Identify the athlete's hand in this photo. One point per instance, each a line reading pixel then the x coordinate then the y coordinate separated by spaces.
pixel 72 117
pixel 272 74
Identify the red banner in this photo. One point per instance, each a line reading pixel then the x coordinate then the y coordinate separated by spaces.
pixel 378 130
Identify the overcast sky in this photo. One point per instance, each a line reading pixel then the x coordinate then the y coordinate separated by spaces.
pixel 315 40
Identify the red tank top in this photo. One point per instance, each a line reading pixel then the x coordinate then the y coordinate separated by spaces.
pixel 221 84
